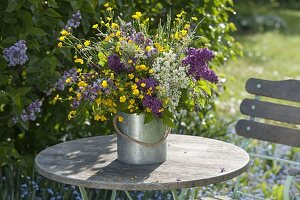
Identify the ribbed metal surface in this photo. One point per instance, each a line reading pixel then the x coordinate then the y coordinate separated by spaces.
pixel 133 153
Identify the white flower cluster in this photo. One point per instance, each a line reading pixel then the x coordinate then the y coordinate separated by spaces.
pixel 172 78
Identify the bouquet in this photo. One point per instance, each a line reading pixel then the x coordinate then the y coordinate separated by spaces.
pixel 126 68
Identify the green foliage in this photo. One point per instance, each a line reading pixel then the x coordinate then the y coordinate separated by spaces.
pixel 38 23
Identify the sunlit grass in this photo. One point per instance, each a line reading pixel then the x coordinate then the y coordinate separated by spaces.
pixel 272 55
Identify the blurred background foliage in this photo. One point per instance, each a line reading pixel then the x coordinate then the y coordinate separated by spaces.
pixel 38 23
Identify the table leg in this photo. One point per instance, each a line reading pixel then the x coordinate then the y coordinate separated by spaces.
pixel 83 193
pixel 128 195
pixel 175 195
pixel 113 195
pixel 193 194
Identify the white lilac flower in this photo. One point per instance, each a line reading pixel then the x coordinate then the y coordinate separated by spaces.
pixel 172 78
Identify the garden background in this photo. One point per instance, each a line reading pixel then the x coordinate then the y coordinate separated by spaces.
pixel 251 38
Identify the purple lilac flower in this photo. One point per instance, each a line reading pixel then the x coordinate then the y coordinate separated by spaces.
pixel 139 38
pixel 16 54
pixel 150 83
pixel 29 114
pixel 74 22
pixel 127 29
pixel 197 60
pixel 61 83
pixel 153 104
pixel 114 63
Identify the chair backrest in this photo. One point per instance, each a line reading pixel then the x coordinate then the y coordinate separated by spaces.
pixel 285 90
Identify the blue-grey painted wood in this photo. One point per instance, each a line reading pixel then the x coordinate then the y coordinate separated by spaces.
pixel 285 89
pixel 268 132
pixel 273 111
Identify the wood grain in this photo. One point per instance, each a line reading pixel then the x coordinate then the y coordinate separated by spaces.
pixel 268 132
pixel 285 89
pixel 192 161
pixel 273 111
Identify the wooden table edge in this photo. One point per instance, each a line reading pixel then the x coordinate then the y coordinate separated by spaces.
pixel 148 186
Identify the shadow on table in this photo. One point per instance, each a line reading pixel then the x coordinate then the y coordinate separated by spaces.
pixel 119 172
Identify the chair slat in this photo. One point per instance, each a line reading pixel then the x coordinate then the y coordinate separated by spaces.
pixel 273 111
pixel 286 89
pixel 268 132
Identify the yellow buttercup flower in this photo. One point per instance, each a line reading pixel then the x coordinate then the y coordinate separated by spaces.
pixel 61 38
pixel 106 5
pixel 104 84
pixel 70 98
pixel 130 61
pixel 137 15
pixel 78 60
pixel 98 101
pixel 56 98
pixel 183 32
pixel 148 109
pixel 151 71
pixel 71 89
pixel 134 86
pixel 187 26
pixel 131 76
pixel 71 114
pixel 132 101
pixel 136 92
pixel 120 119
pixel 194 18
pixel 60 44
pixel 87 43
pixel 122 99
pixel 79 46
pixel 114 25
pixel 64 32
pixel 143 84
pixel 100 117
pixel 78 96
pixel 79 70
pixel 68 80
pixel 148 48
pixel 109 9
pixel 143 67
pixel 95 26
pixel 108 18
pixel 82 84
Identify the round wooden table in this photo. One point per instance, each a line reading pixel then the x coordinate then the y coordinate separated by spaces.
pixel 192 161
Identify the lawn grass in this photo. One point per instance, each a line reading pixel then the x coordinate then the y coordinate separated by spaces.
pixel 272 55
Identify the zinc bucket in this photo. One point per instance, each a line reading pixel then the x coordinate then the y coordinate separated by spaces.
pixel 139 143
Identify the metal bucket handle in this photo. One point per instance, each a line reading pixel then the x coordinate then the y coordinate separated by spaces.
pixel 137 141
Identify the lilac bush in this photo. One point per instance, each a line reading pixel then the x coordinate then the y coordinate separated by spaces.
pixel 16 54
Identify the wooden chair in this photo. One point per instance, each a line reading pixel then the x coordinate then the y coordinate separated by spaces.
pixel 284 90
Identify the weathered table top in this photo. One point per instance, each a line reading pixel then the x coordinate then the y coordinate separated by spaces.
pixel 192 161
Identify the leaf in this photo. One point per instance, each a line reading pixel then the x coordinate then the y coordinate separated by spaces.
pixel 76 5
pixel 37 31
pixel 3 97
pixel 12 6
pixel 4 79
pixel 102 58
pixel 52 13
pixel 167 121
pixel 204 86
pixel 89 7
pixel 149 117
